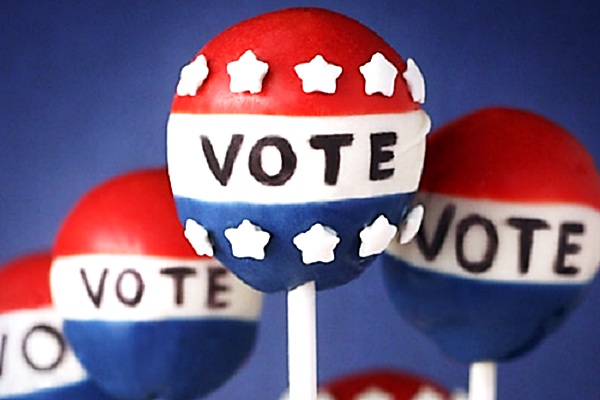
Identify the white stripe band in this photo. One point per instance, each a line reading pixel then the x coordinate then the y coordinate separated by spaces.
pixel 143 288
pixel 34 354
pixel 351 139
pixel 503 241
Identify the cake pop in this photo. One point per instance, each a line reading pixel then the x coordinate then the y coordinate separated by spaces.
pixel 36 362
pixel 508 244
pixel 295 144
pixel 147 316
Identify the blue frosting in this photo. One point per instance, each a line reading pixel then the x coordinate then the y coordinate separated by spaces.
pixel 475 320
pixel 283 269
pixel 84 390
pixel 170 359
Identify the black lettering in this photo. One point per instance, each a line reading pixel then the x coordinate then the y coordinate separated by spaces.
pixel 331 144
pixel 2 350
pixel 215 274
pixel 178 274
pixel 139 292
pixel 526 227
pixel 431 251
pixel 379 155
pixel 288 161
pixel 60 341
pixel 222 173
pixel 565 247
pixel 490 250
pixel 97 295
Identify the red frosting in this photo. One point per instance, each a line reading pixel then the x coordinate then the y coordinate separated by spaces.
pixel 398 385
pixel 25 283
pixel 510 155
pixel 284 39
pixel 131 214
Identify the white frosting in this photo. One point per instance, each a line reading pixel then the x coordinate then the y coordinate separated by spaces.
pixel 192 76
pixel 374 393
pixel 376 237
pixel 317 244
pixel 191 176
pixel 247 73
pixel 412 224
pixel 380 75
pixel 318 75
pixel 198 237
pixel 247 240
pixel 415 81
pixel 33 357
pixel 428 393
pixel 157 299
pixel 506 261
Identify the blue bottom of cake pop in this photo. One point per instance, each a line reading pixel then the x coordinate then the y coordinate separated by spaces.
pixel 282 268
pixel 474 320
pixel 167 359
pixel 84 390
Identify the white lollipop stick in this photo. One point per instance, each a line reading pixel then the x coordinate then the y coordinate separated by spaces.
pixel 302 343
pixel 482 381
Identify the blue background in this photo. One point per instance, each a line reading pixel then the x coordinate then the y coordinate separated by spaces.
pixel 85 92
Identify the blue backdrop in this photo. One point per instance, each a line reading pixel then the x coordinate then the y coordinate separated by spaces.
pixel 85 92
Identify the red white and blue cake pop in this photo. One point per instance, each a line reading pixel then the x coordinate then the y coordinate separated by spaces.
pixel 295 145
pixel 509 239
pixel 382 384
pixel 36 363
pixel 147 316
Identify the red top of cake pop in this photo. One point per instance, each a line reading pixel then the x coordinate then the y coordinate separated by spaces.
pixel 510 155
pixel 130 214
pixel 283 40
pixel 25 283
pixel 384 384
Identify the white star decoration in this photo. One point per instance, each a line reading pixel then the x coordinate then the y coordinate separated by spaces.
pixel 247 73
pixel 412 224
pixel 374 393
pixel 380 75
pixel 247 240
pixel 198 238
pixel 192 76
pixel 427 393
pixel 415 81
pixel 376 237
pixel 318 75
pixel 317 244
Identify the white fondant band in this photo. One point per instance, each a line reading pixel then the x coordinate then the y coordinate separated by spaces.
pixel 399 165
pixel 144 288
pixel 502 241
pixel 34 354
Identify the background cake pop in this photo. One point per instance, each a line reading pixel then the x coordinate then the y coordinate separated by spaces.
pixel 295 143
pixel 383 384
pixel 36 362
pixel 146 316
pixel 508 244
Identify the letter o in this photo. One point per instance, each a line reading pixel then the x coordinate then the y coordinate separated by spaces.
pixel 56 360
pixel 491 248
pixel 288 161
pixel 139 292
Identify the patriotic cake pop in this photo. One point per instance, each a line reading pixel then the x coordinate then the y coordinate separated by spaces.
pixel 146 316
pixel 35 360
pixel 295 144
pixel 384 384
pixel 509 239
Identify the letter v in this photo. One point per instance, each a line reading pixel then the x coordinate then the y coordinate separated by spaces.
pixel 431 250
pixel 222 173
pixel 96 296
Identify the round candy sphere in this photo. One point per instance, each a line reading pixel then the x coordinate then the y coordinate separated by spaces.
pixel 509 239
pixel 384 384
pixel 295 144
pixel 146 316
pixel 35 360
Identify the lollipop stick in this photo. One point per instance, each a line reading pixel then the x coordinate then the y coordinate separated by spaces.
pixel 302 343
pixel 482 381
